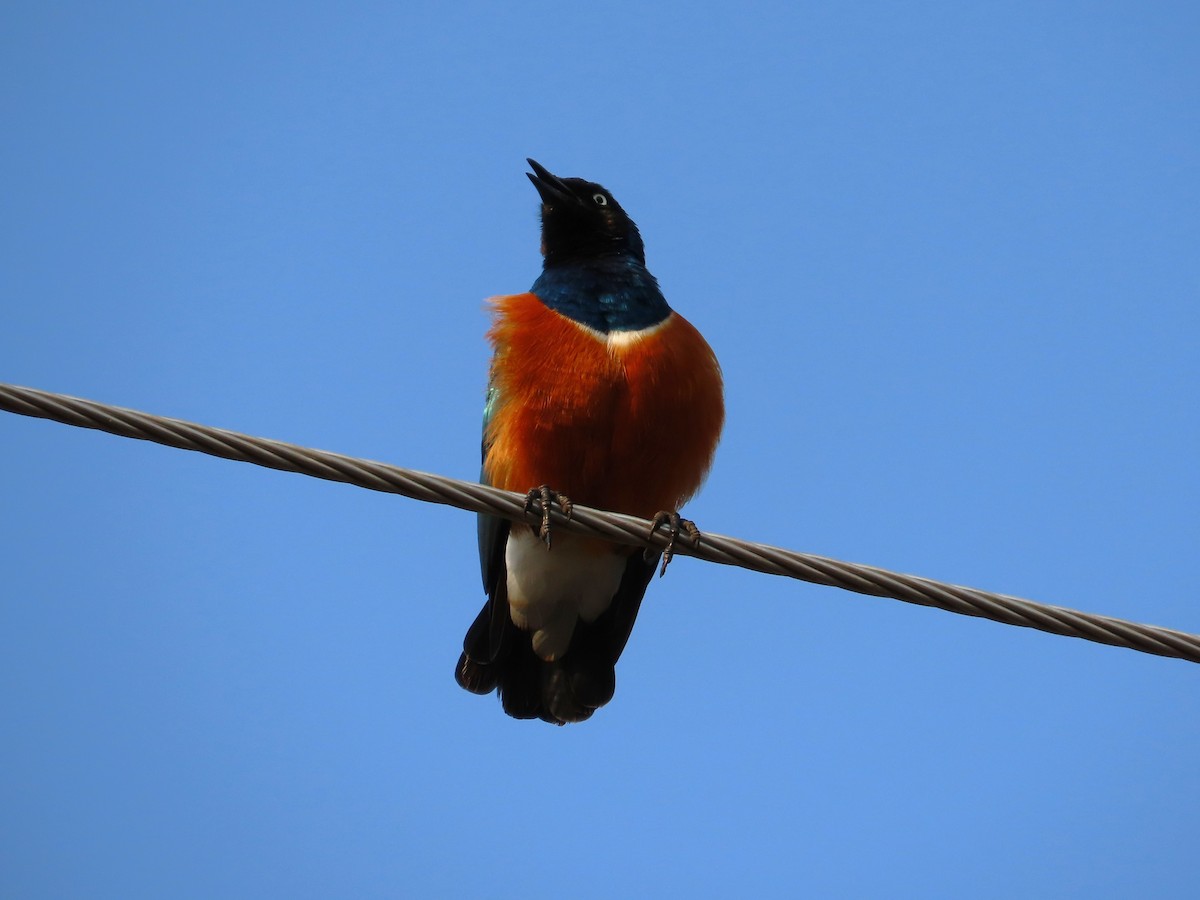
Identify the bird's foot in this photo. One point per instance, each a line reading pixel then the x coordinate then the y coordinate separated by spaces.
pixel 545 498
pixel 675 524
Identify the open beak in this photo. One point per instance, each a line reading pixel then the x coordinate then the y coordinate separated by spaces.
pixel 550 187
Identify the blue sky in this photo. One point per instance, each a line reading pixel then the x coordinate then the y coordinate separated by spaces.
pixel 947 255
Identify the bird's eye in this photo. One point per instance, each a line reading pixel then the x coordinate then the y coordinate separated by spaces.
pixel 600 199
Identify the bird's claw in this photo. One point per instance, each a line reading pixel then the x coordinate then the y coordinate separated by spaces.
pixel 675 524
pixel 545 498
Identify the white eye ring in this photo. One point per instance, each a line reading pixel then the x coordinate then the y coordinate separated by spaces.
pixel 600 199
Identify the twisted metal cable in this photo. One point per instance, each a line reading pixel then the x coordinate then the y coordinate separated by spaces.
pixel 615 527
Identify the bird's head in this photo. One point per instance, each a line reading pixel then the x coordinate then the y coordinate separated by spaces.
pixel 582 221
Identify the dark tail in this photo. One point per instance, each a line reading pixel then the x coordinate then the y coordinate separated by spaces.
pixel 498 655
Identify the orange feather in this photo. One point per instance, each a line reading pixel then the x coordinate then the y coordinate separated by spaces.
pixel 627 422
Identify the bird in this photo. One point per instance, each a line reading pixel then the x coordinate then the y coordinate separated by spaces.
pixel 598 393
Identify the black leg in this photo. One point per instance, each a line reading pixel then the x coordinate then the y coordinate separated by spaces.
pixel 675 524
pixel 545 498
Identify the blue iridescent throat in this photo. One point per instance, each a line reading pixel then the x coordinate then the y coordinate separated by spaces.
pixel 615 294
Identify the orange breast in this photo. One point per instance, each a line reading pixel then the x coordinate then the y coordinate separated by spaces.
pixel 620 422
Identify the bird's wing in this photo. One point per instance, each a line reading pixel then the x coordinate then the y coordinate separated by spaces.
pixel 485 637
pixel 493 531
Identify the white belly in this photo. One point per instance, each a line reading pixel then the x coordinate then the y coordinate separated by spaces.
pixel 550 589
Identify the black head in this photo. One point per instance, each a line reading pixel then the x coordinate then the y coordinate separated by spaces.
pixel 581 220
